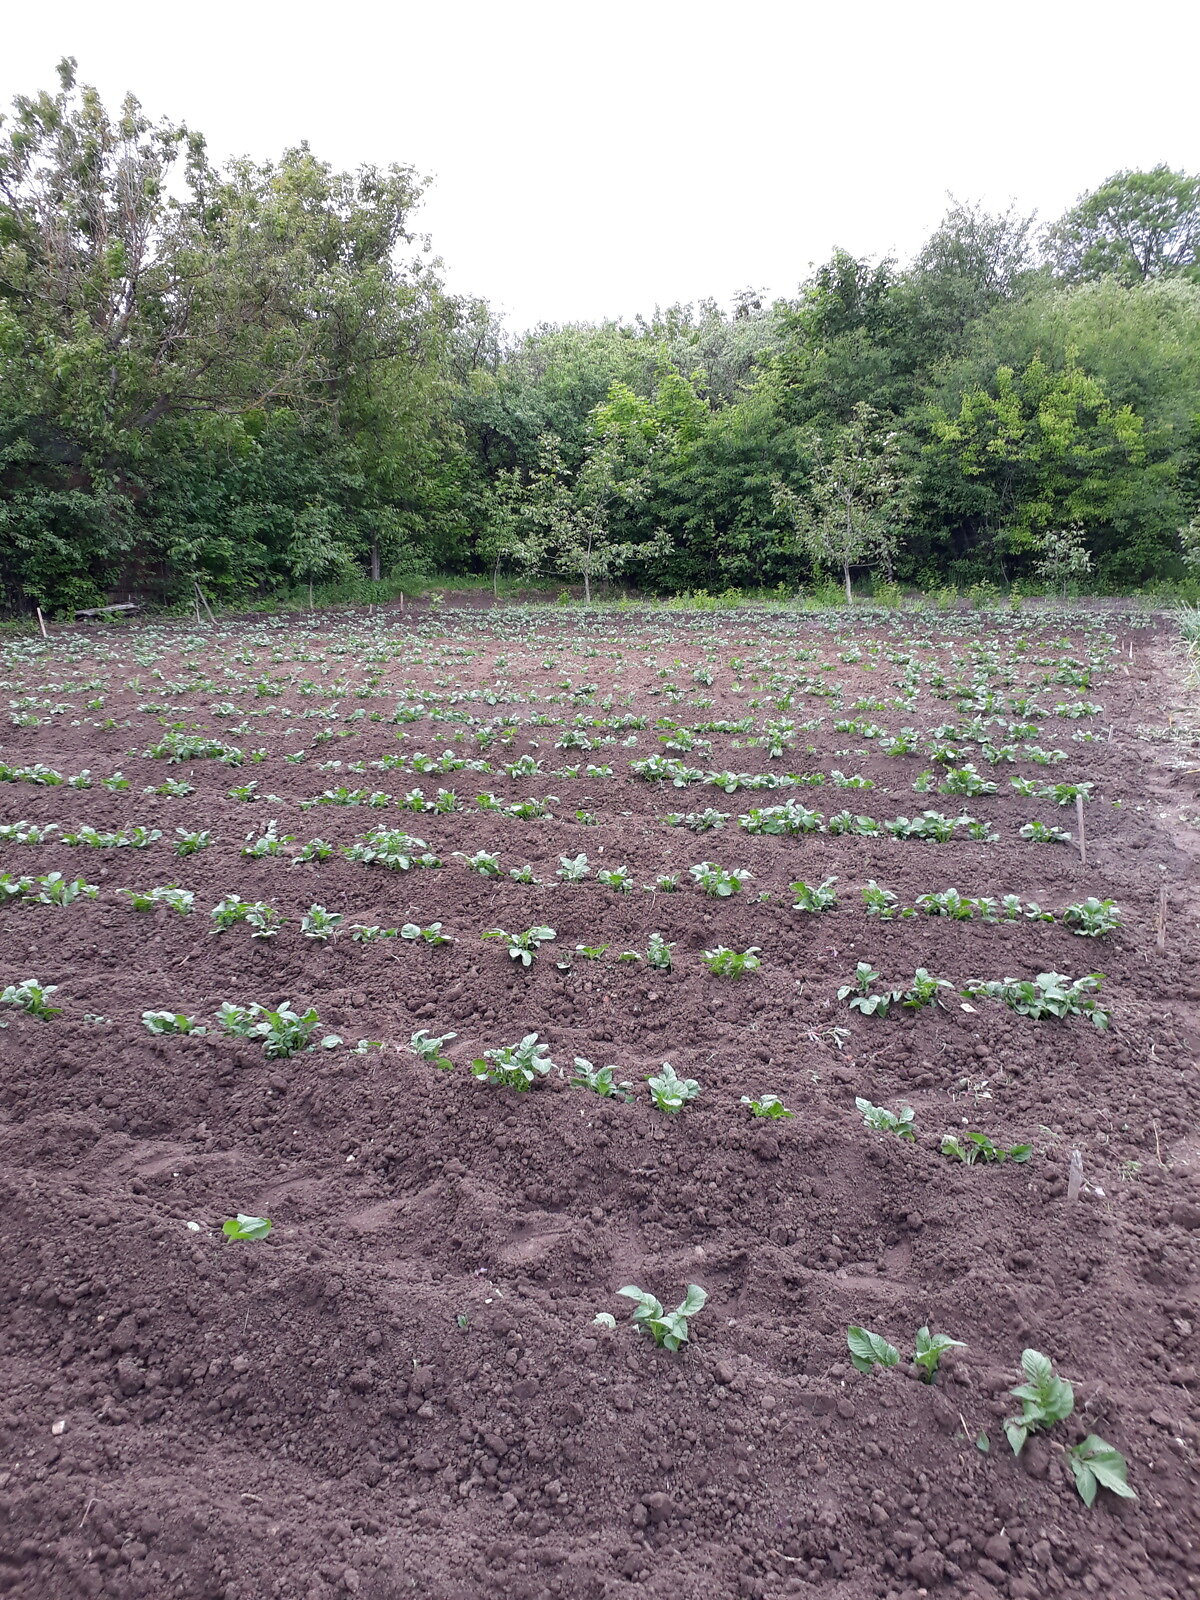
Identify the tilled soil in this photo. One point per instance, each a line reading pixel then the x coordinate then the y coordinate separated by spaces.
pixel 403 1390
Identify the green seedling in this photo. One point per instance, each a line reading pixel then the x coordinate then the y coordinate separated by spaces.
pixel 514 1066
pixel 315 850
pixel 974 1148
pixel 618 878
pixel 883 903
pixel 668 1091
pixel 53 889
pixel 391 848
pixel 572 869
pixel 658 952
pixel 483 861
pixel 189 843
pixel 523 874
pixel 665 883
pixel 522 947
pixel 1050 994
pixel 32 997
pixel 319 924
pixel 1044 833
pixel 884 1121
pixel 929 1351
pixel 268 843
pixel 859 993
pixel 923 991
pixel 431 935
pixel 870 1350
pixel 368 932
pixel 164 1022
pixel 600 1080
pixel 725 963
pixel 770 1106
pixel 247 1228
pixel 177 900
pixel 717 881
pixel 1045 1399
pixel 1092 918
pixel 814 897
pixel 282 1033
pixel 430 1048
pixel 669 1329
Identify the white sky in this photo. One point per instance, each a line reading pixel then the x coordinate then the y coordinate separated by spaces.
pixel 593 160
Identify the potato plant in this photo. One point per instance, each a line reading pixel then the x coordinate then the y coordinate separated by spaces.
pixel 668 1329
pixel 514 1066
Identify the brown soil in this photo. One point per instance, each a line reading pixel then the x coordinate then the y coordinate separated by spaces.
pixel 402 1391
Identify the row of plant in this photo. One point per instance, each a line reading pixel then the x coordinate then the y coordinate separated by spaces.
pixel 1049 994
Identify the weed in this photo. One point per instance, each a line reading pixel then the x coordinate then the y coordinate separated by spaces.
pixel 669 1329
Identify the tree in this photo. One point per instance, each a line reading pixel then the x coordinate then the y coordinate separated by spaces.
pixel 1063 557
pixel 1136 225
pixel 857 500
pixel 1189 541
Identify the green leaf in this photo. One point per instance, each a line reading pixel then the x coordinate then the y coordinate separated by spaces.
pixel 868 1350
pixel 244 1227
pixel 693 1300
pixel 604 1319
pixel 1097 1464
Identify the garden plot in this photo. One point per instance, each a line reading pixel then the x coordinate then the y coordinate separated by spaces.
pixel 546 1103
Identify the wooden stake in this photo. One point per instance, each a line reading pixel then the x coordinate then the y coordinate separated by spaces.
pixel 1161 937
pixel 42 623
pixel 1082 837
pixel 202 599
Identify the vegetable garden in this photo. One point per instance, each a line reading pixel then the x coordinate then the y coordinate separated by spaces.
pixel 539 1102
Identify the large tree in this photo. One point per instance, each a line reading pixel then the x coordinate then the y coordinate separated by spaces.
pixel 1136 225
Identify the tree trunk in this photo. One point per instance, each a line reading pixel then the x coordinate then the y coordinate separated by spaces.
pixel 496 580
pixel 312 608
pixel 375 560
pixel 846 575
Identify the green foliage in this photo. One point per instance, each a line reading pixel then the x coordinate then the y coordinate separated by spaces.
pixel 243 1227
pixel 1097 1465
pixel 724 963
pixel 929 1351
pixel 1092 918
pixel 814 897
pixel 668 1091
pixel 600 1080
pixel 1050 994
pixel 430 1048
pixel 1045 1399
pixel 162 1022
pixel 870 1350
pixel 32 997
pixel 514 1066
pixel 884 1121
pixel 770 1106
pixel 522 947
pixel 668 1329
pixel 972 1147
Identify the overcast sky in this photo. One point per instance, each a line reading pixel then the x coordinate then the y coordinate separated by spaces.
pixel 597 160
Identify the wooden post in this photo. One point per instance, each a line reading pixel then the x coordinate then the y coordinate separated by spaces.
pixel 42 623
pixel 1082 836
pixel 203 599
